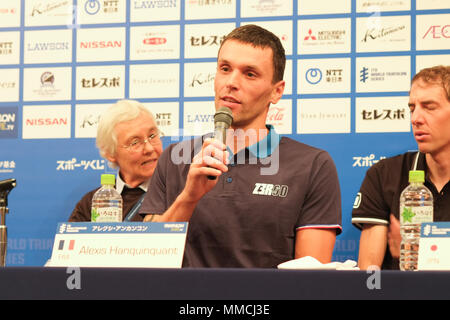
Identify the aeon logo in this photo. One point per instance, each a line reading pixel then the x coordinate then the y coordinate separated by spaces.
pixel 92 6
pixel 437 32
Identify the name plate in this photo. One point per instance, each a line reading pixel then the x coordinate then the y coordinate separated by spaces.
pixel 126 245
pixel 434 246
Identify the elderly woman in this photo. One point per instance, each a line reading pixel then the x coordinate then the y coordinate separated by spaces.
pixel 127 136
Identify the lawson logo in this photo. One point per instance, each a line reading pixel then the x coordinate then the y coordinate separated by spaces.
pixel 48 46
pixel 155 4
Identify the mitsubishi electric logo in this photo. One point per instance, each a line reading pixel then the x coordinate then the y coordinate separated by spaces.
pixel 268 189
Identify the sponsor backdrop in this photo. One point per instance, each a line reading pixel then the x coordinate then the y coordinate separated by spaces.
pixel 62 62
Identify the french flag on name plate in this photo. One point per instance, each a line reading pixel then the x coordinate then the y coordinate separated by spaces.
pixel 70 246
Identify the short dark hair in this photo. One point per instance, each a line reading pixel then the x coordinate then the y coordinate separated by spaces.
pixel 439 75
pixel 262 38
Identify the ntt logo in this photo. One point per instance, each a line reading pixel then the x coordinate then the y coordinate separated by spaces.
pixel 92 7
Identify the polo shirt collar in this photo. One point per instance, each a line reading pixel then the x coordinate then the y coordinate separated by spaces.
pixel 422 165
pixel 262 149
pixel 265 147
pixel 120 184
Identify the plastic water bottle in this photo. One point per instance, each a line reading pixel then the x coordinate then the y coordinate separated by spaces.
pixel 416 206
pixel 107 202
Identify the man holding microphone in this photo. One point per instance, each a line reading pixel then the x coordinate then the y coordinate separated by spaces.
pixel 274 199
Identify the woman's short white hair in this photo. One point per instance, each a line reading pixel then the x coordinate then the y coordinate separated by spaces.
pixel 121 111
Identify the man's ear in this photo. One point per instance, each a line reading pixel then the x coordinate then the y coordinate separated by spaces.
pixel 277 91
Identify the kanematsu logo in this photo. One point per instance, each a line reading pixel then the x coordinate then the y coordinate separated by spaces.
pixel 48 8
pixel 373 34
pixel 202 78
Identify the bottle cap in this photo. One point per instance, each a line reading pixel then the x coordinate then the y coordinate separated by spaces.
pixel 108 179
pixel 416 176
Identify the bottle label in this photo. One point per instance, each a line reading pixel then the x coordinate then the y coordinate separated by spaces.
pixel 106 214
pixel 416 215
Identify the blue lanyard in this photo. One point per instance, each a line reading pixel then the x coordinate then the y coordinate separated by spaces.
pixel 135 209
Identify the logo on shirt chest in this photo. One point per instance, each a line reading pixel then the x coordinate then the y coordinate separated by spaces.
pixel 268 189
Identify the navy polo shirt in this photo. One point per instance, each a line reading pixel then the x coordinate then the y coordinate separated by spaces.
pixel 250 218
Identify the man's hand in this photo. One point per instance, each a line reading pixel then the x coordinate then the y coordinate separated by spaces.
pixel 210 161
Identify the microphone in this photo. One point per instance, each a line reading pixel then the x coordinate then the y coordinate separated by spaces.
pixel 222 121
pixel 7 185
